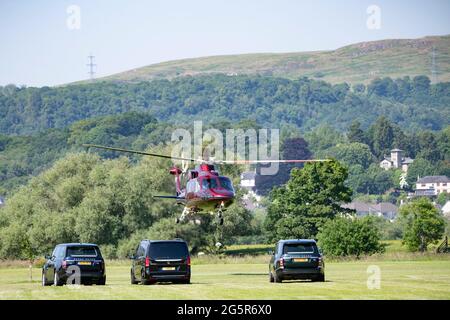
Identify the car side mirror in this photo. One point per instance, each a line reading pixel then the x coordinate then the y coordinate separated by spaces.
pixel 271 252
pixel 48 257
pixel 131 257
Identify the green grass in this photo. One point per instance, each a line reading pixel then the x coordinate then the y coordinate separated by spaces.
pixel 345 280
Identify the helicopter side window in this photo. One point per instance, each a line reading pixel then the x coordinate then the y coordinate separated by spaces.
pixel 209 183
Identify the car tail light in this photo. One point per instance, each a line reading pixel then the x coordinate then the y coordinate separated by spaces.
pixel 319 261
pixel 147 262
pixel 64 264
pixel 188 261
pixel 282 263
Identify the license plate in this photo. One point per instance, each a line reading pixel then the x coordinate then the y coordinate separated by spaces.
pixel 168 268
pixel 300 260
pixel 84 263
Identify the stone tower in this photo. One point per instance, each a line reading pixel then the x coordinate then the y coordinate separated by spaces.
pixel 396 158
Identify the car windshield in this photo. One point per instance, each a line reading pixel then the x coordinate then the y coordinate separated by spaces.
pixel 209 183
pixel 82 251
pixel 168 250
pixel 226 183
pixel 299 248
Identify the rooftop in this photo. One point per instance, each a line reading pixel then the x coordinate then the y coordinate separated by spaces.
pixel 249 175
pixel 433 179
pixel 383 207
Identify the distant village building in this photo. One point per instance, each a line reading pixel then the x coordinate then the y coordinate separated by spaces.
pixel 386 210
pixel 2 202
pixel 396 161
pixel 432 185
pixel 446 209
pixel 251 199
pixel 248 180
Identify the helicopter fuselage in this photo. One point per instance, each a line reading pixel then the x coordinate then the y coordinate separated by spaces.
pixel 207 192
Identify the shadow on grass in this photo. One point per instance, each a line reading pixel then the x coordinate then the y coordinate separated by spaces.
pixel 305 281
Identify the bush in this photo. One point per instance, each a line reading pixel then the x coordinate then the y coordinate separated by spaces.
pixel 350 236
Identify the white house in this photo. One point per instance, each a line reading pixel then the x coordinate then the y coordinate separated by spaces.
pixel 396 160
pixel 383 209
pixel 446 209
pixel 432 185
pixel 248 180
pixel 2 202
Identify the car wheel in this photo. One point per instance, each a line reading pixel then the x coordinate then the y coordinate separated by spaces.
pixel 145 281
pixel 44 281
pixel 102 281
pixel 277 278
pixel 319 278
pixel 271 277
pixel 133 279
pixel 56 280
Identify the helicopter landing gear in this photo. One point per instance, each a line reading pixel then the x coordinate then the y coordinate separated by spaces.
pixel 220 213
pixel 182 217
pixel 220 217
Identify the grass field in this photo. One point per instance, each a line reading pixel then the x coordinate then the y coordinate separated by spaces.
pixel 414 279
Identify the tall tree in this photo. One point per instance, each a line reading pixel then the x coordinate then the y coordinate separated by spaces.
pixel 293 148
pixel 423 224
pixel 383 136
pixel 312 196
pixel 355 133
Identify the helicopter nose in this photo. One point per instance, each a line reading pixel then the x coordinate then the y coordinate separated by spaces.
pixel 223 194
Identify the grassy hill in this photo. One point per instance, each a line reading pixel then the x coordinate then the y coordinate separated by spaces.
pixel 355 63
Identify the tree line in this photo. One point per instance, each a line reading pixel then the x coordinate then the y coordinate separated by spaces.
pixel 269 101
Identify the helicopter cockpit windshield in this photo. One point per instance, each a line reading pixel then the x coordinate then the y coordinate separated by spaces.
pixel 217 183
pixel 209 183
pixel 226 183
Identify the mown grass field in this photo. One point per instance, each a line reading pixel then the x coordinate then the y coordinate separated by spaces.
pixel 242 279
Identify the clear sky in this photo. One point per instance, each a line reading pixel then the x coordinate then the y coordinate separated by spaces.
pixel 41 43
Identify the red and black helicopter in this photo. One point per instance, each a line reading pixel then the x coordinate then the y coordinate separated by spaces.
pixel 206 190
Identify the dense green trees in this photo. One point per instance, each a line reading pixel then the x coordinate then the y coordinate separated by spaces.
pixel 270 101
pixel 87 199
pixel 312 196
pixel 292 148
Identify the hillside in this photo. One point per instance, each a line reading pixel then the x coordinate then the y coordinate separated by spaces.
pixel 269 101
pixel 361 62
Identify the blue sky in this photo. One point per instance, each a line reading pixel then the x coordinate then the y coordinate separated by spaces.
pixel 39 49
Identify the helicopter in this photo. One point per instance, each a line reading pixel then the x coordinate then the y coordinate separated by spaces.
pixel 206 191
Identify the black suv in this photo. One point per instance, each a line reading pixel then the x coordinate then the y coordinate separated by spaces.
pixel 73 259
pixel 296 259
pixel 161 260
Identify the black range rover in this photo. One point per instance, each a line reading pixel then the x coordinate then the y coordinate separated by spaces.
pixel 161 260
pixel 296 259
pixel 74 259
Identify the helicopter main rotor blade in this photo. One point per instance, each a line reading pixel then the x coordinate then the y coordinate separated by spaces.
pixel 138 152
pixel 270 161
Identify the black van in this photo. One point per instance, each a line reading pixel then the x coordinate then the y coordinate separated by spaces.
pixel 74 259
pixel 161 260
